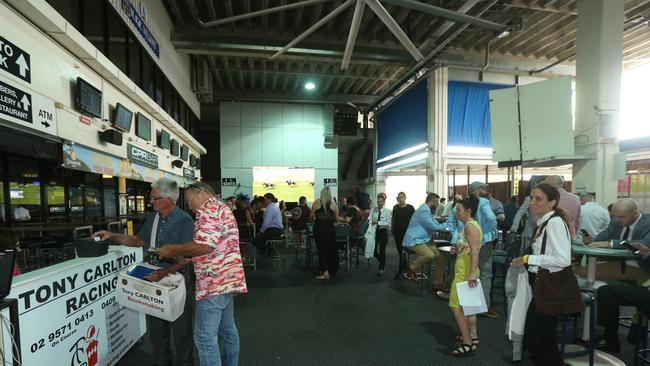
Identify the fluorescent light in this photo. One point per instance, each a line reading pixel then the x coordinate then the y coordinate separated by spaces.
pixel 403 152
pixel 310 85
pixel 409 160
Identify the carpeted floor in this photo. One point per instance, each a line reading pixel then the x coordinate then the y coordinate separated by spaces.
pixel 289 318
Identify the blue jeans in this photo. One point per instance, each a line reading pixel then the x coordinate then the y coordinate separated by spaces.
pixel 215 333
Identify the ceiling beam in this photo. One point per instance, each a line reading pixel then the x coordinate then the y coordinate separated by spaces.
pixel 448 14
pixel 352 36
pixel 212 63
pixel 313 28
pixel 385 17
pixel 191 5
pixel 228 73
pixel 173 5
pixel 444 27
pixel 212 12
pixel 281 9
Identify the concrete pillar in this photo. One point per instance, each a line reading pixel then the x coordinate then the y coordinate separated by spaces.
pixel 437 132
pixel 599 48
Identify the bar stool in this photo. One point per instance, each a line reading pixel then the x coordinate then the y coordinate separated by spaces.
pixel 278 260
pixel 422 275
pixel 589 302
pixel 641 343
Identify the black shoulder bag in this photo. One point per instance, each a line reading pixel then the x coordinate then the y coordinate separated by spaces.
pixel 556 293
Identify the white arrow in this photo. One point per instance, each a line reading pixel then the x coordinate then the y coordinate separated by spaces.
pixel 25 102
pixel 22 64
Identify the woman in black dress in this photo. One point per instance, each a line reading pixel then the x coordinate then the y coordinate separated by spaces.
pixel 401 217
pixel 325 214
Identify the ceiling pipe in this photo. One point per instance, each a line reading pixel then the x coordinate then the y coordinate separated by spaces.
pixel 214 23
pixel 415 69
pixel 352 36
pixel 313 28
pixel 487 55
pixel 392 25
pixel 448 14
pixel 630 26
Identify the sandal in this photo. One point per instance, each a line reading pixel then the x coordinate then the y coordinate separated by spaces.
pixel 475 341
pixel 464 349
pixel 412 275
pixel 323 276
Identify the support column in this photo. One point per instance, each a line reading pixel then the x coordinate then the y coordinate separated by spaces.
pixel 599 48
pixel 122 201
pixel 437 132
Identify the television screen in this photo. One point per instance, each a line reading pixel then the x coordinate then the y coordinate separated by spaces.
pixel 122 118
pixel 163 140
pixel 192 160
pixel 89 98
pixel 142 127
pixel 174 147
pixel 198 163
pixel 185 151
pixel 287 184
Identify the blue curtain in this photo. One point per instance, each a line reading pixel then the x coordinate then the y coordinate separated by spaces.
pixel 403 123
pixel 468 115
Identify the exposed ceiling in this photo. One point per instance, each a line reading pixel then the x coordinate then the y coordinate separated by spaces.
pixel 235 56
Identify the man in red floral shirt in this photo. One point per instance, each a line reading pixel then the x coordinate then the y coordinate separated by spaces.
pixel 219 275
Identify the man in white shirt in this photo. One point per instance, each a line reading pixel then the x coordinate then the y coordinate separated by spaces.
pixel 594 218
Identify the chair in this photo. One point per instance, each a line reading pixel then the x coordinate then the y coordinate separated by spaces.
pixel 310 250
pixel 357 239
pixel 421 276
pixel 246 234
pixel 641 344
pixel 342 232
pixel 501 259
pixel 588 299
pixel 278 260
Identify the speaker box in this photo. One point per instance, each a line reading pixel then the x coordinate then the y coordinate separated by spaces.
pixel 177 163
pixel 111 136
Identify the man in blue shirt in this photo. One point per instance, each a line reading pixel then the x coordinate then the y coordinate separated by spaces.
pixel 418 235
pixel 488 221
pixel 172 226
pixel 272 227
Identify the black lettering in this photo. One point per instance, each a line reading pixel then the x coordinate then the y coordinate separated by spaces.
pixel 71 305
pixel 88 275
pixel 40 297
pixel 26 296
pixel 107 268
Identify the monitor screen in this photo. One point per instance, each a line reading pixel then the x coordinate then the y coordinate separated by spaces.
pixel 89 98
pixel 185 151
pixel 122 118
pixel 7 263
pixel 198 163
pixel 142 127
pixel 164 140
pixel 192 160
pixel 174 147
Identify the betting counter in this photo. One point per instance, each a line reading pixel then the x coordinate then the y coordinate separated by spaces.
pixel 69 315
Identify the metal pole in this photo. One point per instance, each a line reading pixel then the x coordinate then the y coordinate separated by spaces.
pixel 392 25
pixel 446 13
pixel 313 28
pixel 213 23
pixel 354 30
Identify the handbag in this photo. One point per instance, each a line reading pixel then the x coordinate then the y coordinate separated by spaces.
pixel 556 293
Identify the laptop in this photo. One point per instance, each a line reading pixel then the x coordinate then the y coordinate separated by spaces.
pixel 7 263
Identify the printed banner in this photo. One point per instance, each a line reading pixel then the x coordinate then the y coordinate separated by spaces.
pixel 69 313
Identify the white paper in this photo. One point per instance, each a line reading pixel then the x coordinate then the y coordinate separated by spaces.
pixel 472 300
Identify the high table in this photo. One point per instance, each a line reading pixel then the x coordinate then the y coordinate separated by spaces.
pixel 592 256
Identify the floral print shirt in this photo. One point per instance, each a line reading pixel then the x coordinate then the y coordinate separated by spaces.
pixel 220 271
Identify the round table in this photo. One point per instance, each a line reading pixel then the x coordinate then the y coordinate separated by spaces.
pixel 592 255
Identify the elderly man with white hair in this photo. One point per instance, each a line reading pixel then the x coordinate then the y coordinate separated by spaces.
pixel 168 224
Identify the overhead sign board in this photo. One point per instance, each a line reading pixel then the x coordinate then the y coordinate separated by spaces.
pixel 228 182
pixel 141 156
pixel 27 109
pixel 189 173
pixel 132 13
pixel 15 61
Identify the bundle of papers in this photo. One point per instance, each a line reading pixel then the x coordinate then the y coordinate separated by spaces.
pixel 472 300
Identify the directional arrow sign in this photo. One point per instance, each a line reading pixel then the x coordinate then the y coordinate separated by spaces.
pixel 27 108
pixel 14 60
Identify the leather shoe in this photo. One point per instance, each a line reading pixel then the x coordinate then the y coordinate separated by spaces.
pixel 607 346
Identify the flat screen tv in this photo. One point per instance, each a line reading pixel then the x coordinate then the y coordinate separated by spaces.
pixel 164 140
pixel 122 118
pixel 192 160
pixel 142 127
pixel 175 147
pixel 89 98
pixel 185 151
pixel 198 163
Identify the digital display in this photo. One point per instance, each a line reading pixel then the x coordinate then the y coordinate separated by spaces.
pixel 25 193
pixel 287 184
pixel 16 193
pixel 198 163
pixel 164 139
pixel 89 98
pixel 122 118
pixel 185 151
pixel 192 160
pixel 142 127
pixel 174 147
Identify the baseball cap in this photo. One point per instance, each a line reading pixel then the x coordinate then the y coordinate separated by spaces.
pixel 476 185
